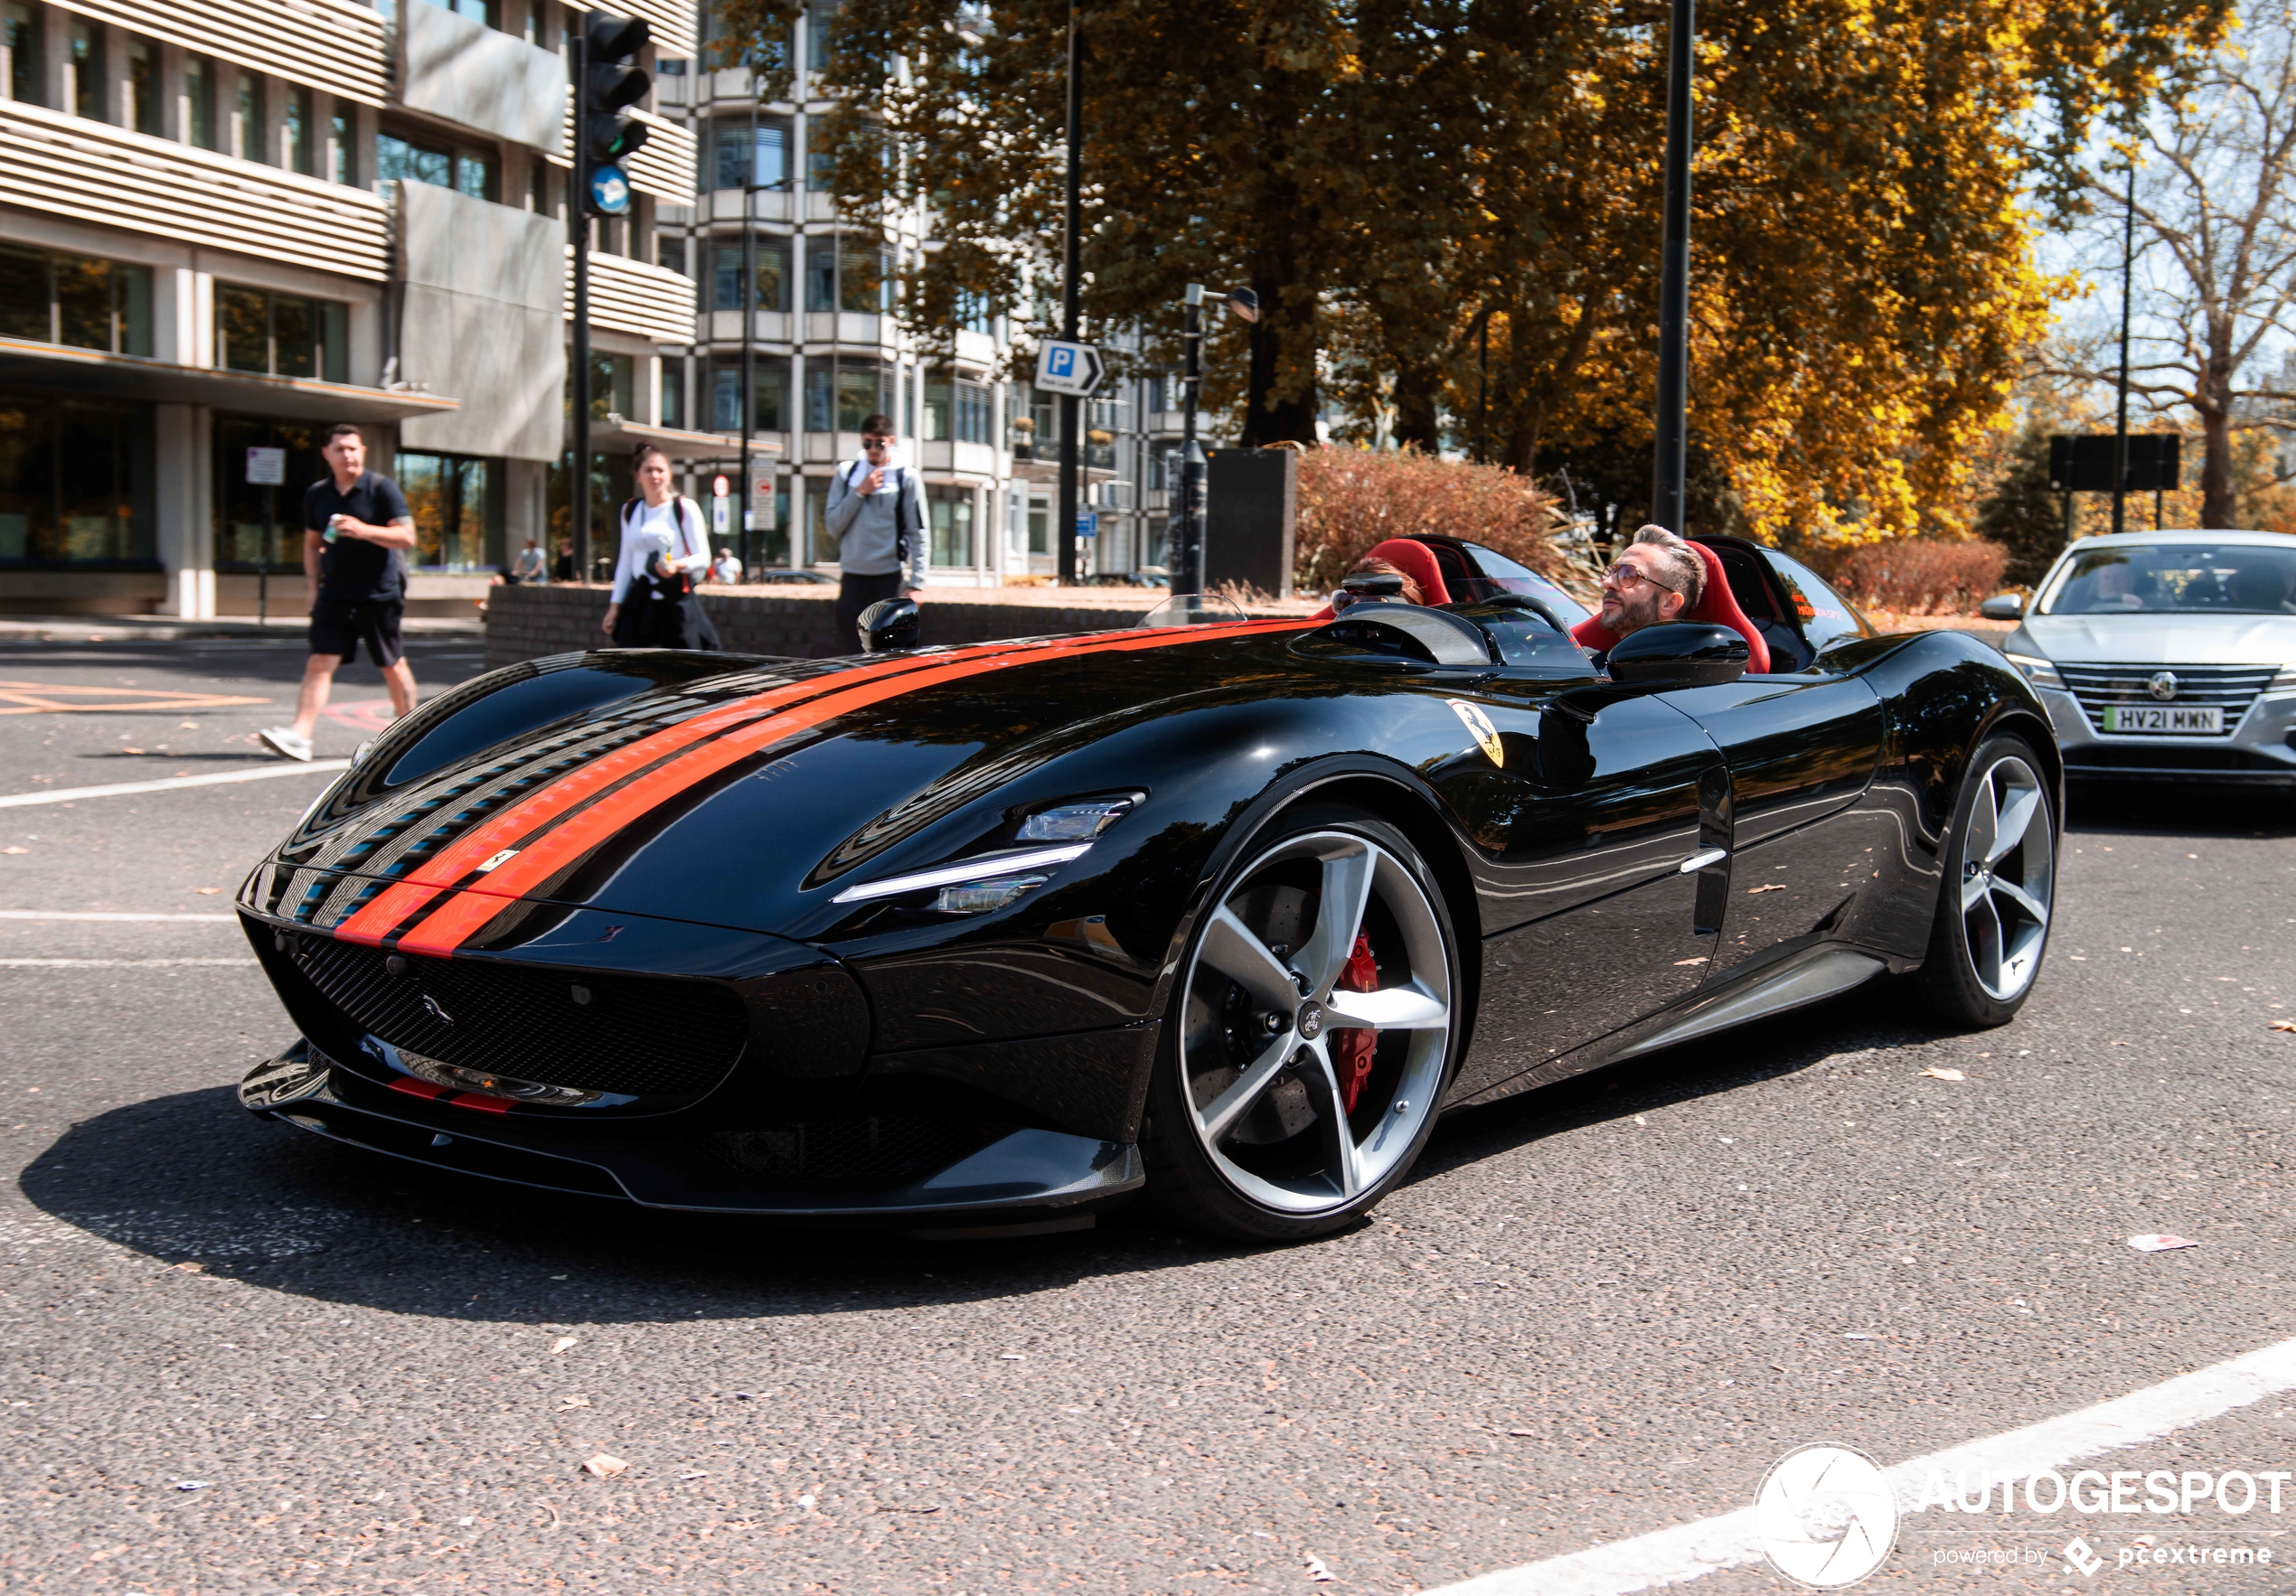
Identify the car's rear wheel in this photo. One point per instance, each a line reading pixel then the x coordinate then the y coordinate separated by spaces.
pixel 1311 1033
pixel 1999 891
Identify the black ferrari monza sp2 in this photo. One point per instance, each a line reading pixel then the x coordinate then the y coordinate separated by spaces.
pixel 1002 934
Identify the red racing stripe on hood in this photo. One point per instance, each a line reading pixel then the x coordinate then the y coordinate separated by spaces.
pixel 457 921
pixel 391 908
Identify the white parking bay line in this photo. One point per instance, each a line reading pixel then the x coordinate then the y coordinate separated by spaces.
pixel 120 963
pixel 254 772
pixel 1689 1551
pixel 99 915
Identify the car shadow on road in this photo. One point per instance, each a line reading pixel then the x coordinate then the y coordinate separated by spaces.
pixel 189 1180
pixel 2169 810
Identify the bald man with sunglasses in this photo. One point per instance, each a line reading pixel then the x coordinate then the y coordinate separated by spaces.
pixel 1656 579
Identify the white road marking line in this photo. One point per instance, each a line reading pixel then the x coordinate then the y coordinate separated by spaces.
pixel 253 773
pixel 1689 1551
pixel 118 963
pixel 92 915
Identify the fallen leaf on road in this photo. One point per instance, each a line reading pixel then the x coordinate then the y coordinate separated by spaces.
pixel 568 1405
pixel 1773 886
pixel 207 891
pixel 562 1344
pixel 2159 1243
pixel 1316 1572
pixel 604 1467
pixel 131 750
pixel 1944 1074
pixel 2278 1024
pixel 1678 963
pixel 14 850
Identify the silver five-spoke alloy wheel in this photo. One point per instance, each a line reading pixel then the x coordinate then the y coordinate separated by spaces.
pixel 1323 939
pixel 2008 877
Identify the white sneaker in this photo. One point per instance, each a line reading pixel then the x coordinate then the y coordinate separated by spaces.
pixel 286 740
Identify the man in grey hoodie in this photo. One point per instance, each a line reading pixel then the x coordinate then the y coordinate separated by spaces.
pixel 876 514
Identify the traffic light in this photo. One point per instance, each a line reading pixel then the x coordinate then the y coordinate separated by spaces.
pixel 609 133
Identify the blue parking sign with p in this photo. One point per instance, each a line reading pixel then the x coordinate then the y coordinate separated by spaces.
pixel 1064 360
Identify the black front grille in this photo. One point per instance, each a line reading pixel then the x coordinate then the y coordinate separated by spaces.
pixel 641 1035
pixel 875 1150
pixel 2232 688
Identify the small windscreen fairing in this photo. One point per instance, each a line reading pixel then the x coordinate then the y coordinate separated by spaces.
pixel 1511 631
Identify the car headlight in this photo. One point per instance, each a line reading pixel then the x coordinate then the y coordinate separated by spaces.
pixel 2285 682
pixel 2037 671
pixel 1077 822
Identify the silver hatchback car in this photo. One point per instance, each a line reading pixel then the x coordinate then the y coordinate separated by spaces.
pixel 2165 656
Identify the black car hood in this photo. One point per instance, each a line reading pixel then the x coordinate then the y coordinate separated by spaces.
pixel 746 798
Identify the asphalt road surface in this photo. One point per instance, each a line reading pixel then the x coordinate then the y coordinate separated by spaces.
pixel 236 1358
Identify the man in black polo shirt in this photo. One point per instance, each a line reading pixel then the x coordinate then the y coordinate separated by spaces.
pixel 355 527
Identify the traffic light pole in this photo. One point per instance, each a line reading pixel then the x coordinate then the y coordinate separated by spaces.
pixel 578 214
pixel 1071 408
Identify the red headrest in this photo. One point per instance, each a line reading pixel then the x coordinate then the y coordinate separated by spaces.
pixel 1415 560
pixel 1716 607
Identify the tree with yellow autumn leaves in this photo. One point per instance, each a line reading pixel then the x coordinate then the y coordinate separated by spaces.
pixel 1449 212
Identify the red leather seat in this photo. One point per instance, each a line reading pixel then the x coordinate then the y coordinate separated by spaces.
pixel 1715 607
pixel 1414 560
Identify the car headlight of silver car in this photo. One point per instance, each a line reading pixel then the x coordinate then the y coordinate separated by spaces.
pixel 2282 685
pixel 2037 671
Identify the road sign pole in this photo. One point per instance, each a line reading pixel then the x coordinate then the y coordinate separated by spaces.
pixel 1187 564
pixel 577 222
pixel 1070 406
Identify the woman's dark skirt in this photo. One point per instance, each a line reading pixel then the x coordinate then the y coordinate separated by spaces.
pixel 656 617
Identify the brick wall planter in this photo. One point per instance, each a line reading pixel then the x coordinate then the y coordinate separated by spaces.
pixel 526 623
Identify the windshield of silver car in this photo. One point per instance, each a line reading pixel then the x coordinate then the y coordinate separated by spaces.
pixel 2170 578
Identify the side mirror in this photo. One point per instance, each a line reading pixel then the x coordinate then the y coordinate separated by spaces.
pixel 888 624
pixel 2003 606
pixel 1680 653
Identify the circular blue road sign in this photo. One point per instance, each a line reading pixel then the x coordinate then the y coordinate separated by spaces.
pixel 609 191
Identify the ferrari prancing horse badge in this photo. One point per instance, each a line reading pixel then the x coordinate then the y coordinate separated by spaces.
pixel 1477 722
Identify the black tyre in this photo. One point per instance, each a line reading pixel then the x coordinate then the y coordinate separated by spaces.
pixel 1313 1030
pixel 2000 889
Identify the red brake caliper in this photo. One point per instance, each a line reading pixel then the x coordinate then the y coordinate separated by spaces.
pixel 1351 1050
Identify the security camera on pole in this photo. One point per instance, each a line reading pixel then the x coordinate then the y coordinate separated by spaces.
pixel 605 135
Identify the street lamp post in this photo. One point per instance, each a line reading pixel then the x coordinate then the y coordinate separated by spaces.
pixel 1071 408
pixel 1669 464
pixel 1188 525
pixel 2121 424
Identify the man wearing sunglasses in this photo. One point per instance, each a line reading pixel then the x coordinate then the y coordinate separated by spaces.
pixel 1656 579
pixel 876 514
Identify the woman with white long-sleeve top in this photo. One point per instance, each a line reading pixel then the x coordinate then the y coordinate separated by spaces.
pixel 664 551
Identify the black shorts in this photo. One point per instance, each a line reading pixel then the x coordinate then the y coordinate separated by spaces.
pixel 337 625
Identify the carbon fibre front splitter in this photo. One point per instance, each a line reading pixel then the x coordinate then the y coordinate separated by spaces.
pixel 1031 1174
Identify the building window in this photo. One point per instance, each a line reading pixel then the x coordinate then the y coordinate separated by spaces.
pixel 773 274
pixel 740 160
pixel 75 300
pixel 1040 526
pixel 538 188
pixel 23 40
pixel 857 390
pixel 199 101
pixel 772 392
pixel 668 253
pixel 974 409
pixel 670 67
pixel 479 175
pixel 613 382
pixel 143 85
pixel 302 144
pixel 281 334
pixel 343 161
pixel 87 71
pixel 401 160
pixel 974 314
pixel 76 483
pixel 952 511
pixel 848 275
pixel 257 525
pixel 489 12
pixel 670 401
pixel 247 119
pixel 936 430
pixel 455 501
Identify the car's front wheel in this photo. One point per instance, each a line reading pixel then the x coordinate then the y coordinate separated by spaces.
pixel 2000 889
pixel 1311 1033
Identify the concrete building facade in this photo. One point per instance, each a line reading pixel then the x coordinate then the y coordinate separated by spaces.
pixel 225 225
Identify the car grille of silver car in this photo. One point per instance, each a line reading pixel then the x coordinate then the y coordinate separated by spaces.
pixel 2232 688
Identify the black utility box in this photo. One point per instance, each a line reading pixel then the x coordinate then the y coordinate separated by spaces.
pixel 1252 497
